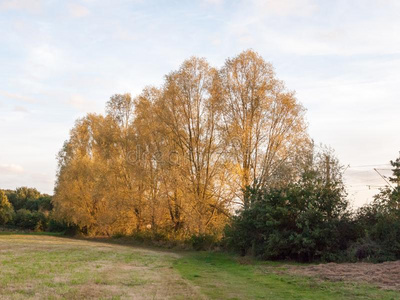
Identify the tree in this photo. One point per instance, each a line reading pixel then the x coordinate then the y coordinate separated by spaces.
pixel 388 198
pixel 6 209
pixel 153 165
pixel 190 109
pixel 380 222
pixel 85 190
pixel 130 187
pixel 21 196
pixel 263 123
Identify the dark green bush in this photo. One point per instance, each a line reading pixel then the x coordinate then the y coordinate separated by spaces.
pixel 57 226
pixel 202 242
pixel 300 221
pixel 32 220
pixel 368 250
pixel 149 236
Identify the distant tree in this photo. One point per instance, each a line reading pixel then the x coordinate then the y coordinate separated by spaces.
pixel 6 209
pixel 21 196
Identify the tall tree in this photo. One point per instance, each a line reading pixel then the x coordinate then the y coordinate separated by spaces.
pixel 190 108
pixel 263 123
pixel 84 192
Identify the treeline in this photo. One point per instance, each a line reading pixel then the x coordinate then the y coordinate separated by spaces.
pixel 27 209
pixel 174 160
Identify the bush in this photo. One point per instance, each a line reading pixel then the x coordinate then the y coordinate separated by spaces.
pixel 305 221
pixel 368 250
pixel 57 226
pixel 202 242
pixel 380 223
pixel 149 236
pixel 26 219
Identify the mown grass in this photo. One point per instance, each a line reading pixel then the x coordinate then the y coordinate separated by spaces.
pixel 221 276
pixel 49 267
pixel 38 266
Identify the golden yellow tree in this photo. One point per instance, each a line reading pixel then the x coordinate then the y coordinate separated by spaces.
pixel 190 108
pixel 263 123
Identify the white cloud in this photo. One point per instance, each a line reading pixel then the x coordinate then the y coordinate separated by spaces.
pixel 213 2
pixel 10 169
pixel 81 103
pixel 22 109
pixel 17 97
pixel 285 8
pixel 46 61
pixel 78 11
pixel 273 27
pixel 32 6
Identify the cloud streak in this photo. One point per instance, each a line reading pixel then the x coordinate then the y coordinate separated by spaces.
pixel 17 97
pixel 11 169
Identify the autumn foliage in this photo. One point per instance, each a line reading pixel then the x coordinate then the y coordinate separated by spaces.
pixel 176 159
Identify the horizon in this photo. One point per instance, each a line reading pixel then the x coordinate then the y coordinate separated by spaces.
pixel 61 62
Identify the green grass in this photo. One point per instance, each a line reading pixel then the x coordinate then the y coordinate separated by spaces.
pixel 33 233
pixel 220 276
pixel 42 266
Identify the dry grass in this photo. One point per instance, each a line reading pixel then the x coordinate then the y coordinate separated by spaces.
pixel 46 267
pixel 384 275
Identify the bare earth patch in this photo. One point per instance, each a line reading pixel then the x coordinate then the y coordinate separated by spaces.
pixel 384 275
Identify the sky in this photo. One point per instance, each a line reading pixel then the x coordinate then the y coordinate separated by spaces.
pixel 62 59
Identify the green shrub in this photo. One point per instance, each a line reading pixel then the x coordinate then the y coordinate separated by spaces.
pixel 202 242
pixel 149 236
pixel 57 226
pixel 368 250
pixel 299 221
pixel 118 235
pixel 26 219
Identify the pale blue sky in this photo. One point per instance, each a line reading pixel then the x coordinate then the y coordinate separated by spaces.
pixel 62 59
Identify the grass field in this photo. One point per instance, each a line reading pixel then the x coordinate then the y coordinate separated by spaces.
pixel 53 267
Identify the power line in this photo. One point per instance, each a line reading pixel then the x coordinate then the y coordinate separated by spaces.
pixel 366 166
pixel 384 178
